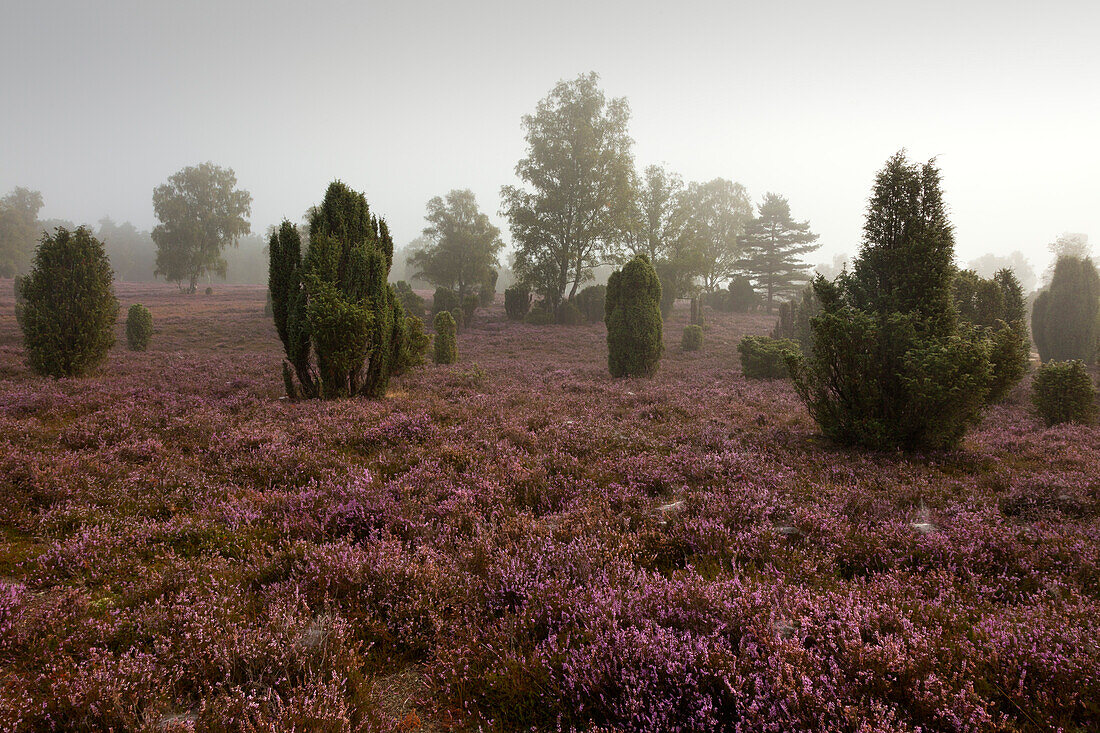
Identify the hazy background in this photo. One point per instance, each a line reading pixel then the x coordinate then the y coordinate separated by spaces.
pixel 406 100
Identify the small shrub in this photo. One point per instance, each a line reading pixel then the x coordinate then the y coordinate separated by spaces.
pixel 446 346
pixel 794 319
pixel 766 358
pixel 569 314
pixel 17 287
pixel 139 327
pixel 470 305
pixel 517 301
pixel 591 302
pixel 459 317
pixel 538 316
pixel 68 312
pixel 209 290
pixel 633 318
pixel 1063 392
pixel 693 338
pixel 444 299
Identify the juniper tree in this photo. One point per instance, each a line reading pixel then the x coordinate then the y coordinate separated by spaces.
pixel 1065 318
pixel 68 310
pixel 890 367
pixel 341 324
pixel 633 318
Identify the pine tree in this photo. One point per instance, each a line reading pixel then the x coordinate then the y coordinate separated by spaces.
pixel 773 247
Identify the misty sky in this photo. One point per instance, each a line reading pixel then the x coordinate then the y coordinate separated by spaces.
pixel 102 101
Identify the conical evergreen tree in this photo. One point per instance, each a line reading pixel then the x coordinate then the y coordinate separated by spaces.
pixel 773 248
pixel 1065 318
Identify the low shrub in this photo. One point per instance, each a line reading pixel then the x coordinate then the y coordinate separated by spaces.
pixel 446 347
pixel 209 290
pixel 444 299
pixel 517 301
pixel 693 338
pixel 459 317
pixel 538 316
pixel 765 358
pixel 139 327
pixel 697 311
pixel 1009 353
pixel 1063 392
pixel 590 302
pixel 569 314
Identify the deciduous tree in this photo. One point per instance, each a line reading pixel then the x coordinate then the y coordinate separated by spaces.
pixel 201 212
pixel 462 245
pixel 578 195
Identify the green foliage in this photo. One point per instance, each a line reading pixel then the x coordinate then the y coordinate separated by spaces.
pixel 742 298
pixel 539 315
pixel 470 305
pixel 139 327
pixel 569 314
pixel 413 304
pixel 415 350
pixel 906 261
pixel 977 300
pixel 1063 392
pixel 715 214
pixel 693 338
pixel 341 324
pixel 591 302
pixel 446 345
pixel 766 358
pixel 18 229
pixel 795 317
pixel 459 317
pixel 488 290
pixel 774 245
pixel 68 311
pixel 201 212
pixel 889 366
pixel 579 196
pixel 17 290
pixel 461 246
pixel 517 301
pixel 633 318
pixel 445 299
pixel 1009 353
pixel 1065 318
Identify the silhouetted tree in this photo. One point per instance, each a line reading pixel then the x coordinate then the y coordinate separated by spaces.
pixel 462 248
pixel 201 212
pixel 1065 317
pixel 773 246
pixel 19 229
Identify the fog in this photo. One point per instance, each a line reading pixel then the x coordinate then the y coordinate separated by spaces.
pixel 407 100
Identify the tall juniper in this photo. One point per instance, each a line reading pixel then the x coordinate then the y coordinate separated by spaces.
pixel 341 324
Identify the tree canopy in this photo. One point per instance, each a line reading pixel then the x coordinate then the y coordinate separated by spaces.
pixel 19 229
pixel 201 212
pixel 773 246
pixel 578 198
pixel 461 247
pixel 715 214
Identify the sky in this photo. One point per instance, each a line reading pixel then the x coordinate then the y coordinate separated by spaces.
pixel 404 101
